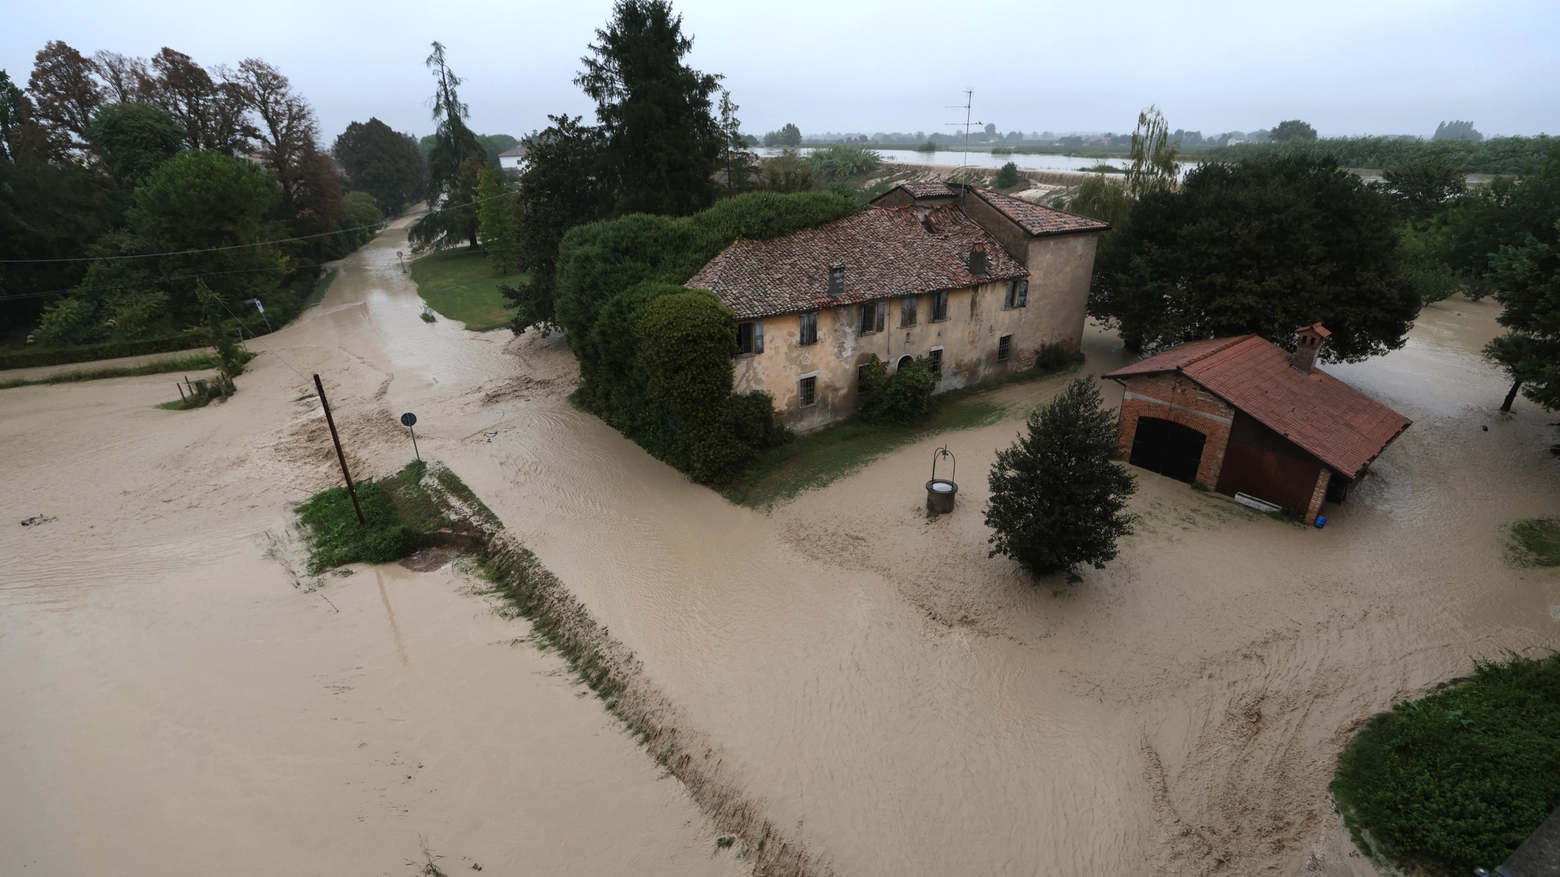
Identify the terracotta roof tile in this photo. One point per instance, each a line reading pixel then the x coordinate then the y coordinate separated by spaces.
pixel 1331 420
pixel 887 253
pixel 929 190
pixel 1037 219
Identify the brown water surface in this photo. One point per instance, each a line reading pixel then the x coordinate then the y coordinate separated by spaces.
pixel 901 702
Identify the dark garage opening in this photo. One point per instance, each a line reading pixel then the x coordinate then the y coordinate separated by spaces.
pixel 1166 447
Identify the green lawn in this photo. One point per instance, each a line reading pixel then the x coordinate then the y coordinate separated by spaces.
pixel 461 285
pixel 823 457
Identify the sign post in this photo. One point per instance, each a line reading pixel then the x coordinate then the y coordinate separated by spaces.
pixel 401 260
pixel 409 420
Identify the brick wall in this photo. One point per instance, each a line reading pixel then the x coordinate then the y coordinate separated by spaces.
pixel 1179 400
pixel 1317 495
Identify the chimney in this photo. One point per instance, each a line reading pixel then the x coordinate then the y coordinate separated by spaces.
pixel 837 278
pixel 978 258
pixel 1308 342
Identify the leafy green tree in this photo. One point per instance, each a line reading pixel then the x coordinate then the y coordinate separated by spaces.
pixel 662 142
pixel 1260 246
pixel 133 139
pixel 789 136
pixel 560 188
pixel 1293 129
pixel 1058 497
pixel 738 163
pixel 452 179
pixel 1424 186
pixel 496 218
pixel 903 397
pixel 1153 167
pixel 787 172
pixel 493 144
pixel 382 162
pixel 360 221
pixel 213 309
pixel 12 106
pixel 1007 177
pixel 1104 198
pixel 1457 131
pixel 1527 281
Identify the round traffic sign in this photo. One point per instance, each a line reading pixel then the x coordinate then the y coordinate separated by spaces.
pixel 408 419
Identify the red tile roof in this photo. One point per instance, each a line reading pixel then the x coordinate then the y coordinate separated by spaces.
pixel 1037 219
pixel 929 190
pixel 887 253
pixel 1331 420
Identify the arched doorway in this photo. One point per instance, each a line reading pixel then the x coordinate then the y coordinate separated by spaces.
pixel 903 361
pixel 1168 448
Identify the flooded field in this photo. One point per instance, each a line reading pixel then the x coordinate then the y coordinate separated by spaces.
pixel 900 702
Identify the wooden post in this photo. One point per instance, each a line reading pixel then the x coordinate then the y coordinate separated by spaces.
pixel 180 388
pixel 331 422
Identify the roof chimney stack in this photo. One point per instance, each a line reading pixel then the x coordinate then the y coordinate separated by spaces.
pixel 1308 343
pixel 978 258
pixel 837 279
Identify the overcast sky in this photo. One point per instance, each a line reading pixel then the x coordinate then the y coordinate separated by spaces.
pixel 1345 66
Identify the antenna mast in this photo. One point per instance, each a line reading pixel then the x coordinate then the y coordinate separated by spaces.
pixel 964 168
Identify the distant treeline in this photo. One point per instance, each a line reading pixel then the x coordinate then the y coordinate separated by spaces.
pixel 1501 155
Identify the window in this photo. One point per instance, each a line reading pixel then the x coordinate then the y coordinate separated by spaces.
pixel 807 391
pixel 907 309
pixel 872 317
pixel 1010 301
pixel 1023 294
pixel 750 338
pixel 939 307
pixel 809 333
pixel 1004 348
pixel 935 358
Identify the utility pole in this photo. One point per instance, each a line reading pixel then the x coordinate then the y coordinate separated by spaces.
pixel 331 422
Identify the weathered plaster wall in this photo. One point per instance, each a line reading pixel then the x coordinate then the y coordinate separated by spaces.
pixel 1059 272
pixel 968 338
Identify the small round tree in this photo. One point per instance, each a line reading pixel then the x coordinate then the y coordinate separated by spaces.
pixel 1057 495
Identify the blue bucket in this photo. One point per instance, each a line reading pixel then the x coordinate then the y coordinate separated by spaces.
pixel 1321 521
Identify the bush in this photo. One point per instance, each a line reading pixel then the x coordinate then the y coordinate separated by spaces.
pixel 190 340
pixel 1054 358
pixel 335 537
pixel 1007 177
pixel 903 397
pixel 1458 779
pixel 838 162
pixel 1058 498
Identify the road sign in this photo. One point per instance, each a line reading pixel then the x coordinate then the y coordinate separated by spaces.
pixel 408 419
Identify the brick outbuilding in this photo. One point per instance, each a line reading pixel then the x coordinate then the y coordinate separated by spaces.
pixel 1242 415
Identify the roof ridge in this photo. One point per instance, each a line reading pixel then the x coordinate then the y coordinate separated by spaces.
pixel 1229 342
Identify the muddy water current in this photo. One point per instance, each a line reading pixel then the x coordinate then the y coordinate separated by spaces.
pixel 895 700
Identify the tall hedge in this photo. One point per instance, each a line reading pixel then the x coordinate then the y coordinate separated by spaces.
pixel 655 357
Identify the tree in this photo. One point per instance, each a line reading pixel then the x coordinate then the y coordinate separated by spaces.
pixel 213 112
pixel 133 139
pixel 991 128
pixel 1424 186
pixel 735 158
pixel 1294 129
pixel 496 221
pixel 452 164
pixel 1007 177
pixel 661 140
pixel 902 397
pixel 1153 167
pixel 1457 131
pixel 1058 498
pixel 381 162
pixel 561 186
pixel 1526 276
pixel 13 106
pixel 1259 246
pixel 124 79
pixel 65 92
pixel 787 172
pixel 788 136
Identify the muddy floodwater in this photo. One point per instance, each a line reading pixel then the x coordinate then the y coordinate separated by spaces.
pixel 180 699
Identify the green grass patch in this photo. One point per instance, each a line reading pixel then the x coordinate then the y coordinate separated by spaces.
pixel 461 285
pixel 1534 542
pixel 1457 779
pixel 317 294
pixel 186 403
pixel 400 514
pixel 191 363
pixel 818 459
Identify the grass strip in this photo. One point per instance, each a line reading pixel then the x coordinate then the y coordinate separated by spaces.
pixel 191 363
pixel 1534 542
pixel 461 285
pixel 400 514
pixel 820 458
pixel 1459 778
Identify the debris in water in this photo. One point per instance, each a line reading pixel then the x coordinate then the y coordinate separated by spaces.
pixel 35 520
pixel 490 433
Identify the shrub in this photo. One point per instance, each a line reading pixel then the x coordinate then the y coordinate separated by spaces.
pixel 928 146
pixel 189 340
pixel 1058 499
pixel 903 397
pixel 1458 779
pixel 1053 358
pixel 335 537
pixel 838 162
pixel 1007 177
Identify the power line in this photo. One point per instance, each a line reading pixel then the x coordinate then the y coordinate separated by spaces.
pixel 141 283
pixel 236 246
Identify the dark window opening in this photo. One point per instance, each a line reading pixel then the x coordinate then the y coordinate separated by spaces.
pixel 861 378
pixel 903 361
pixel 939 307
pixel 907 311
pixel 872 317
pixel 936 361
pixel 1004 348
pixel 809 333
pixel 1010 300
pixel 1167 447
pixel 1023 293
pixel 744 338
pixel 807 390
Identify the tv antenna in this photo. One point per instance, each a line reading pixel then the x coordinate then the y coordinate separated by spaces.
pixel 964 169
